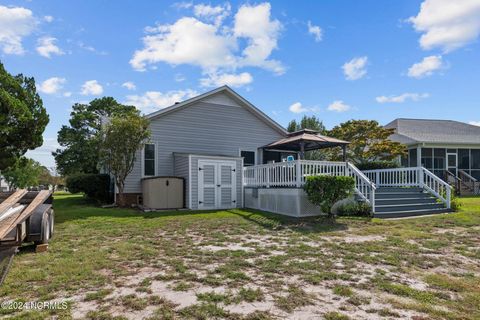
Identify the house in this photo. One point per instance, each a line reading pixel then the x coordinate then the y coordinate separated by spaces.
pixel 218 151
pixel 207 140
pixel 3 185
pixel 450 149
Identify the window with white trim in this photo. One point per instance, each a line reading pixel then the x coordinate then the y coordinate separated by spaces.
pixel 149 159
pixel 248 158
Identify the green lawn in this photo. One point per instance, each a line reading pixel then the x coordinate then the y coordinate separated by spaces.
pixel 242 264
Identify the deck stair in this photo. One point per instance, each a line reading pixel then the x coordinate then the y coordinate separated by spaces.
pixel 397 202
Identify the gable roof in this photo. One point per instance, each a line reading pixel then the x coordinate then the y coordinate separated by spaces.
pixel 434 131
pixel 225 89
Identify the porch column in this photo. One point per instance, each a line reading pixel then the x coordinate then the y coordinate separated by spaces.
pixel 344 150
pixel 419 156
pixel 302 150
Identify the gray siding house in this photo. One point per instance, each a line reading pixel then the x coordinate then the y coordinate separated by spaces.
pixel 445 147
pixel 208 138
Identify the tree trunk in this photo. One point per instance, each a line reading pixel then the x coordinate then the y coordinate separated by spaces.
pixel 121 198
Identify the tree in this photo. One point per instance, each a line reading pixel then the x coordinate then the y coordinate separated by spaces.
pixel 22 117
pixel 312 123
pixel 121 138
pixel 23 173
pixel 46 178
pixel 368 142
pixel 80 152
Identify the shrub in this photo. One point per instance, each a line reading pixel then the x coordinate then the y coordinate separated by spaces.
pixel 95 186
pixel 375 165
pixel 359 209
pixel 325 190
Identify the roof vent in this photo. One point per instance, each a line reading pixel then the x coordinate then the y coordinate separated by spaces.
pixel 177 102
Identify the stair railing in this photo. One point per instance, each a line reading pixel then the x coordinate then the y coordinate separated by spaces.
pixel 436 186
pixel 412 177
pixel 452 179
pixel 467 180
pixel 364 187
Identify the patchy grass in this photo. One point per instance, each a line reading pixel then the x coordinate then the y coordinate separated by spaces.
pixel 244 264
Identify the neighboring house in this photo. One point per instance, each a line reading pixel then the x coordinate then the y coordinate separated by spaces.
pixel 445 147
pixel 3 185
pixel 206 140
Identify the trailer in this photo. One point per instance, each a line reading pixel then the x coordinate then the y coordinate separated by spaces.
pixel 25 216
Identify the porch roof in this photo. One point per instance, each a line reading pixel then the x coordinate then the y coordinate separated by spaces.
pixel 305 140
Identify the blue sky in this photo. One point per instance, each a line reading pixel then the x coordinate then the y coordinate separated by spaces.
pixel 339 60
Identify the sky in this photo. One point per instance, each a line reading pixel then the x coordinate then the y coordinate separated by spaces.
pixel 337 60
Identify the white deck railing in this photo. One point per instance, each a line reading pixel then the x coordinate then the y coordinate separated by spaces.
pixel 412 177
pixel 294 174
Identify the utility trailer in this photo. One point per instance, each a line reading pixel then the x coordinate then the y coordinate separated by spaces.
pixel 25 216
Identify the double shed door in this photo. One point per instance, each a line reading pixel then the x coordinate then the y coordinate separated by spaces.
pixel 217 184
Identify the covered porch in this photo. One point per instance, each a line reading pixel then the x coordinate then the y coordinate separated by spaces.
pixel 276 186
pixel 306 140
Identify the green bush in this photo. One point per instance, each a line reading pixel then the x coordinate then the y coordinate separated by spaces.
pixel 375 165
pixel 455 203
pixel 325 190
pixel 359 209
pixel 95 186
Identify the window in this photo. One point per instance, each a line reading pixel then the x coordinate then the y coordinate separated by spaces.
pixel 427 158
pixel 464 158
pixel 475 161
pixel 248 158
pixel 439 159
pixel 412 157
pixel 149 160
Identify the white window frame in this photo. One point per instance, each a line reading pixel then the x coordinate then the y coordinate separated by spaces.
pixel 155 160
pixel 248 150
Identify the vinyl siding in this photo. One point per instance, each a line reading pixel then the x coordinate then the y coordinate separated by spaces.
pixel 203 128
pixel 181 170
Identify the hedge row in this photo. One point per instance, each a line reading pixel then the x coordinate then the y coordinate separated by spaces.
pixel 94 186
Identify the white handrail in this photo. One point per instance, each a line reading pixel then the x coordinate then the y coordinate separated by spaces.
pixel 397 177
pixel 410 177
pixel 364 186
pixel 438 187
pixel 294 174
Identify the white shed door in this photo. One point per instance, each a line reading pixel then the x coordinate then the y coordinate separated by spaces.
pixel 216 184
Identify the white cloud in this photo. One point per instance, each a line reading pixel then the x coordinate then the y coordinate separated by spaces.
pixel 233 80
pixel 91 87
pixel 52 85
pixel 152 101
pixel 86 47
pixel 179 77
pixel 214 47
pixel 215 14
pixel 48 19
pixel 316 31
pixel 475 123
pixel 129 85
pixel 402 98
pixel 15 24
pixel 426 67
pixel 447 24
pixel 187 41
pixel 297 108
pixel 254 23
pixel 338 106
pixel 355 68
pixel 67 94
pixel 46 47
